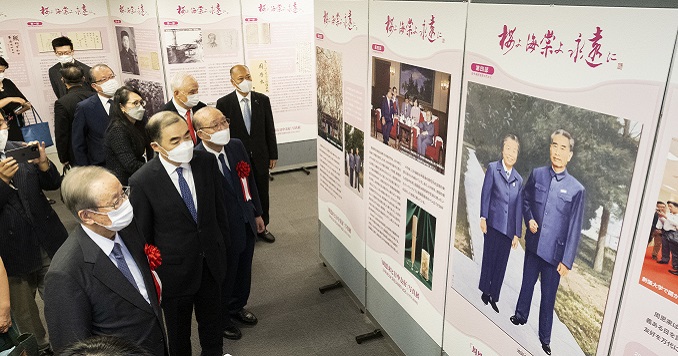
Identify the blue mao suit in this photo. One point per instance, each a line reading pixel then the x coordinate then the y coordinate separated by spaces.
pixel 501 205
pixel 556 203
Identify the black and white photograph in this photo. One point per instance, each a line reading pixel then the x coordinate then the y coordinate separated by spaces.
pixel 184 45
pixel 219 42
pixel 127 47
pixel 152 93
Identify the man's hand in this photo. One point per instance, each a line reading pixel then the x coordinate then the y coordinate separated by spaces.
pixel 5 319
pixel 562 269
pixel 8 168
pixel 533 226
pixel 42 162
pixel 483 225
pixel 261 227
pixel 272 163
pixel 514 243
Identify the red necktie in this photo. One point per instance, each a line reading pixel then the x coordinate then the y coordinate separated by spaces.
pixel 190 125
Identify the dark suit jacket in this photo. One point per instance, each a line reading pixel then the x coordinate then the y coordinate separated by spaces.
pixel 260 143
pixel 240 212
pixel 89 129
pixel 86 295
pixel 165 221
pixel 169 106
pixel 58 86
pixel 501 200
pixel 129 62
pixel 386 109
pixel 125 147
pixel 64 112
pixel 27 220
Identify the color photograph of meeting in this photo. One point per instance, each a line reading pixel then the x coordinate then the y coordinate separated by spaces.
pixel 329 78
pixel 420 238
pixel 660 265
pixel 410 110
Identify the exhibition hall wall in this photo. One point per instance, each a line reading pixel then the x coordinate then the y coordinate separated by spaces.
pixel 421 107
pixel 204 38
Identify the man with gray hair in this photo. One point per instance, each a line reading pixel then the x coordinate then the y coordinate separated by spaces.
pixel 553 211
pixel 102 264
pixel 178 202
pixel 185 100
pixel 91 118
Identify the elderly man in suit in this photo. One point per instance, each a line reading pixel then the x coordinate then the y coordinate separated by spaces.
pixel 358 167
pixel 91 119
pixel 656 229
pixel 177 200
pixel 427 132
pixel 100 281
pixel 553 210
pixel 185 100
pixel 501 205
pixel 63 49
pixel 252 122
pixel 244 214
pixel 351 167
pixel 387 113
pixel 30 232
pixel 64 110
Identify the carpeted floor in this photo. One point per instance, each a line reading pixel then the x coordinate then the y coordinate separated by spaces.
pixel 294 318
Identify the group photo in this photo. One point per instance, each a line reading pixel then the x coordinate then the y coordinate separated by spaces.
pixel 409 110
pixel 539 212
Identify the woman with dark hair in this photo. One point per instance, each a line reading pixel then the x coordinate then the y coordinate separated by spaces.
pixel 13 103
pixel 127 145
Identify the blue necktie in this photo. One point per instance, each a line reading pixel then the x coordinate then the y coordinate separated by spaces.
pixel 247 115
pixel 224 170
pixel 186 194
pixel 122 264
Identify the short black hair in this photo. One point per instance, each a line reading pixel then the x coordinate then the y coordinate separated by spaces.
pixel 4 63
pixel 62 41
pixel 104 346
pixel 123 34
pixel 661 202
pixel 72 74
pixel 669 202
pixel 121 97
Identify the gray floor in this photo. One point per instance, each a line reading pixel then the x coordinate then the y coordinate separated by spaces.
pixel 294 318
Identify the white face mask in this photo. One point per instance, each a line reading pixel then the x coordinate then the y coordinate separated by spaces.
pixel 2 76
pixel 221 138
pixel 180 154
pixel 109 87
pixel 192 100
pixel 65 59
pixel 4 134
pixel 120 217
pixel 137 112
pixel 245 86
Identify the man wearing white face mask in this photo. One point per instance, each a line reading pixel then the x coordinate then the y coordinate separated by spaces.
pixel 252 122
pixel 92 117
pixel 30 231
pixel 244 214
pixel 177 199
pixel 185 100
pixel 63 49
pixel 102 264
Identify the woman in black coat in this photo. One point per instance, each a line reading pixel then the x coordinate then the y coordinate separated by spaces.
pixel 13 103
pixel 127 145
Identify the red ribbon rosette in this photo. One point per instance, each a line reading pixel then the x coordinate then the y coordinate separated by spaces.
pixel 243 170
pixel 154 261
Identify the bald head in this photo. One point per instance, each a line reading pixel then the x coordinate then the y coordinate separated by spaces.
pixel 205 116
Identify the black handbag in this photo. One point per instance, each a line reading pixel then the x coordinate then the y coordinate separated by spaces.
pixel 22 344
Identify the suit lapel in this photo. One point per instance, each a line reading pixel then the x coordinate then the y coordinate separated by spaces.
pixel 235 180
pixel 240 121
pixel 108 274
pixel 127 235
pixel 199 180
pixel 166 184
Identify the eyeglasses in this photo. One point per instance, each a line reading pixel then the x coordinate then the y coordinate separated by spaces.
pixel 137 103
pixel 221 124
pixel 64 53
pixel 119 200
pixel 104 79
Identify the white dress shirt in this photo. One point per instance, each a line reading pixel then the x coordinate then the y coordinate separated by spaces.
pixel 106 245
pixel 105 103
pixel 670 222
pixel 174 176
pixel 216 154
pixel 242 105
pixel 180 110
pixel 506 170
